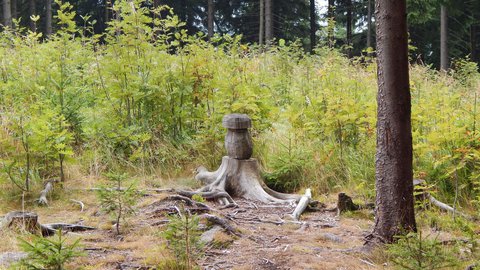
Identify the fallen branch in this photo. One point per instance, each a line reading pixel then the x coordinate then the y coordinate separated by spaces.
pixel 446 207
pixel 302 204
pixel 443 206
pixel 82 206
pixel 259 220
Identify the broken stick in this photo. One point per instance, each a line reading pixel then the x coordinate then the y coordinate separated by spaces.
pixel 302 204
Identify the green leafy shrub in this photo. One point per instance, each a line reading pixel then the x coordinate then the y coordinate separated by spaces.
pixel 289 166
pixel 49 253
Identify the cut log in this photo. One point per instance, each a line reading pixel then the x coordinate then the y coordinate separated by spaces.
pixel 302 204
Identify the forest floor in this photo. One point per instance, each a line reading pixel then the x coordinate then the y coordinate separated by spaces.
pixel 268 241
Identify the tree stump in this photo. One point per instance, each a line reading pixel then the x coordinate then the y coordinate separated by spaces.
pixel 239 174
pixel 345 203
pixel 22 222
pixel 28 222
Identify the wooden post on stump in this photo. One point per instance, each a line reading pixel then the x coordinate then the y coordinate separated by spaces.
pixel 239 174
pixel 238 141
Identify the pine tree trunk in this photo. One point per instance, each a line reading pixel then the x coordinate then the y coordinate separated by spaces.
pixel 331 23
pixel 313 27
pixel 261 31
pixel 32 10
pixel 473 43
pixel 394 212
pixel 107 14
pixel 349 27
pixel 444 39
pixel 184 13
pixel 14 9
pixel 369 24
pixel 268 21
pixel 210 14
pixel 48 18
pixel 7 13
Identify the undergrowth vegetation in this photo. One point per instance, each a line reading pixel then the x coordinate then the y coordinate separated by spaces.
pixel 147 97
pixel 48 254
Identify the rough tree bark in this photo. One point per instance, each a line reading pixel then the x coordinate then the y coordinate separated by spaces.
pixel 394 204
pixel 7 13
pixel 473 43
pixel 239 174
pixel 210 14
pixel 261 31
pixel 14 9
pixel 444 39
pixel 313 25
pixel 349 27
pixel 48 18
pixel 107 8
pixel 268 21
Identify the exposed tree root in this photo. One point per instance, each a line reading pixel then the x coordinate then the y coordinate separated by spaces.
pixel 221 222
pixel 239 178
pixel 187 201
pixel 191 207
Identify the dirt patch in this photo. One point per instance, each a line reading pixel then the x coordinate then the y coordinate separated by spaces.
pixel 319 241
pixel 269 239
